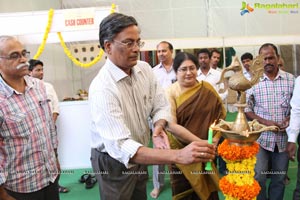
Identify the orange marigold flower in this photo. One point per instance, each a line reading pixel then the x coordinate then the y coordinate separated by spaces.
pixel 245 192
pixel 234 152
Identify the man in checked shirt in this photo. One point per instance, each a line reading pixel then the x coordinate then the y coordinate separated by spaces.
pixel 28 163
pixel 269 103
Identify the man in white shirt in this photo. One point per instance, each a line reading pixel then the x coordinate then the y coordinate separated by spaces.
pixel 165 74
pixel 293 133
pixel 215 56
pixel 36 70
pixel 164 71
pixel 246 59
pixel 122 97
pixel 208 74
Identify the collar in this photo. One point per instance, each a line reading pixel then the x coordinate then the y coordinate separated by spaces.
pixel 280 75
pixel 8 90
pixel 119 74
pixel 210 71
pixel 161 65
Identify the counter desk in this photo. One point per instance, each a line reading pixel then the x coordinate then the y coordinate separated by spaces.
pixel 73 128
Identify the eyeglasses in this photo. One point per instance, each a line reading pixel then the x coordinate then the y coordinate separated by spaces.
pixel 185 69
pixel 17 55
pixel 131 44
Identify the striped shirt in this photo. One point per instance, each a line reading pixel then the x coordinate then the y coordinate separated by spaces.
pixel 27 138
pixel 120 108
pixel 270 99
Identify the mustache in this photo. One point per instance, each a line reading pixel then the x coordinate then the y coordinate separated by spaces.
pixel 22 65
pixel 269 65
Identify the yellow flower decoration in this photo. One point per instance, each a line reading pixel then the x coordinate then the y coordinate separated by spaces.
pixel 239 183
pixel 113 8
pixel 74 60
pixel 48 28
pixel 244 192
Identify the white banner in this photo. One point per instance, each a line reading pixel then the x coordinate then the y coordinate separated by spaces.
pixel 29 27
pixel 79 19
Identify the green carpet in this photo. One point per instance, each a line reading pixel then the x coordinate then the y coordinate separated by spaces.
pixel 78 191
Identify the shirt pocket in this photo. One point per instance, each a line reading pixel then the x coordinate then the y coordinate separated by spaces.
pixel 284 99
pixel 15 126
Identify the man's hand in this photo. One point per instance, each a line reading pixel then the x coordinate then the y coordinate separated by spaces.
pixel 270 123
pixel 4 195
pixel 198 151
pixel 285 123
pixel 291 150
pixel 160 138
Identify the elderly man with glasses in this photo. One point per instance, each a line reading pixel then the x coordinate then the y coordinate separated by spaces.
pixel 123 96
pixel 28 162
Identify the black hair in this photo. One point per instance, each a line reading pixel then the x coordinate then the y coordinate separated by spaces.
pixel 182 56
pixel 247 56
pixel 215 51
pixel 269 45
pixel 113 24
pixel 204 51
pixel 33 63
pixel 168 43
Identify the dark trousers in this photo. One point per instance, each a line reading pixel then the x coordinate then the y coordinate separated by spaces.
pixel 116 181
pixel 296 195
pixel 220 161
pixel 48 193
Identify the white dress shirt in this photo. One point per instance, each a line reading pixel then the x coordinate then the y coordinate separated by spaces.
pixel 120 107
pixel 51 95
pixel 294 127
pixel 247 74
pixel 165 78
pixel 213 76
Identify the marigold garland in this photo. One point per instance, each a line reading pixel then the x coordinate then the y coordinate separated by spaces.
pixel 240 152
pixel 239 183
pixel 74 60
pixel 244 192
pixel 42 45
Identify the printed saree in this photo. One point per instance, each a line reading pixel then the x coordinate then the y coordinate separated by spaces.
pixel 196 109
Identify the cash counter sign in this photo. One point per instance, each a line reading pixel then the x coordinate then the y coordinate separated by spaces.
pixel 79 18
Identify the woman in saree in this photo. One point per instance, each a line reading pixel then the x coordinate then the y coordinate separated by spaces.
pixel 196 106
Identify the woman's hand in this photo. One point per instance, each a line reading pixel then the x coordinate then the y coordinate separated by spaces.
pixel 160 138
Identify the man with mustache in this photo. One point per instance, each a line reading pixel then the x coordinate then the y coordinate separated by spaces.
pixel 165 74
pixel 122 97
pixel 269 103
pixel 28 140
pixel 36 70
